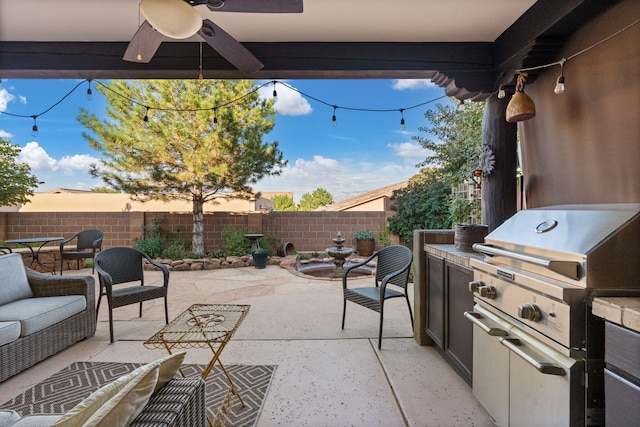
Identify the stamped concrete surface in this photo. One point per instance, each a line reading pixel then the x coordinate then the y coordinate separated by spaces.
pixel 326 376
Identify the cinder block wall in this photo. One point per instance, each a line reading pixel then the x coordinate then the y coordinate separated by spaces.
pixel 308 231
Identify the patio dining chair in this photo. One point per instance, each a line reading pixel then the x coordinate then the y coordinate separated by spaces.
pixel 4 250
pixel 88 243
pixel 391 278
pixel 125 266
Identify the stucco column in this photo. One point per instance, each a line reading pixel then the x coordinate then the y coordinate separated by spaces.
pixel 499 187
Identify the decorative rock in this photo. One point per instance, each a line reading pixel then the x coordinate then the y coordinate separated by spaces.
pixel 182 267
pixel 211 265
pixel 290 261
pixel 196 266
pixel 238 263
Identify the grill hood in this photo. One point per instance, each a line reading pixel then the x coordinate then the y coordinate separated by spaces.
pixel 587 245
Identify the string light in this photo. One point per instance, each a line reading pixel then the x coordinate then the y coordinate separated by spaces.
pixel 89 91
pixel 334 121
pixel 34 128
pixel 501 92
pixel 402 119
pixel 275 92
pixel 146 115
pixel 200 77
pixel 560 82
pixel 215 117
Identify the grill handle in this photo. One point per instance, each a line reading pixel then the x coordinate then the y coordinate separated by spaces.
pixel 515 346
pixel 485 324
pixel 569 269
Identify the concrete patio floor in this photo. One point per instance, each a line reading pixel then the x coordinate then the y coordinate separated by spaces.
pixel 325 376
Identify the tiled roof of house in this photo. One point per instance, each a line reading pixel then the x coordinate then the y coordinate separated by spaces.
pixel 363 198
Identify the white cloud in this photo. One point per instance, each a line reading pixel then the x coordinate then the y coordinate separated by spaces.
pixel 5 134
pixel 5 99
pixel 408 149
pixel 412 84
pixel 77 162
pixel 290 102
pixel 342 178
pixel 23 99
pixel 36 157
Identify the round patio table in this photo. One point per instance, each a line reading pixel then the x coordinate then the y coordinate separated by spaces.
pixel 28 243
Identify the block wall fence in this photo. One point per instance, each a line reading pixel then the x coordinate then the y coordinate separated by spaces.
pixel 307 231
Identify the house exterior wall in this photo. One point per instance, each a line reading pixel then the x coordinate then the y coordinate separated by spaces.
pixel 113 202
pixel 583 146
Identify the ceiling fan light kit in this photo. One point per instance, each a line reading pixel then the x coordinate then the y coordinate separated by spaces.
pixel 178 19
pixel 173 18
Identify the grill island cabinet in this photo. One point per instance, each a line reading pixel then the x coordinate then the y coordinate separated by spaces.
pixel 448 297
pixel 622 376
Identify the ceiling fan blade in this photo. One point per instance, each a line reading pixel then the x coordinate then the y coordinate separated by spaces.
pixel 144 44
pixel 253 6
pixel 229 48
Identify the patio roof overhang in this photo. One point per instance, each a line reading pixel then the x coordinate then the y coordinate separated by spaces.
pixel 466 69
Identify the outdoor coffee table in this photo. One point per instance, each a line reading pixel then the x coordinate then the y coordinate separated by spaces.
pixel 201 326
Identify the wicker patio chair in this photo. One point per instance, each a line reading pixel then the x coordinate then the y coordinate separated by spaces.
pixel 119 266
pixel 392 269
pixel 88 243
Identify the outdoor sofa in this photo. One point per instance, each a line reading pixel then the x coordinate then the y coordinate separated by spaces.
pixel 40 314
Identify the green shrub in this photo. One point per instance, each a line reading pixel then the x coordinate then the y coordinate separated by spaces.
pixel 152 246
pixel 364 235
pixel 384 237
pixel 175 249
pixel 218 253
pixel 234 242
pixel 192 255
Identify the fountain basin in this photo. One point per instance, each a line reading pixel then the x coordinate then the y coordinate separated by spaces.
pixel 323 270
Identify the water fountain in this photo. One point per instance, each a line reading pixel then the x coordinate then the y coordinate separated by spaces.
pixel 339 255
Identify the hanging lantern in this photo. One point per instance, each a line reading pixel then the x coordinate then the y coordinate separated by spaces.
pixel 521 106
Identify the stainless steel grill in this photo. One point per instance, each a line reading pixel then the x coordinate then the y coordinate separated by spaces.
pixel 535 340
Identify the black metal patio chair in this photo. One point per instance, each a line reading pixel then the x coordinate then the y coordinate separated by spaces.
pixel 120 266
pixel 88 243
pixel 392 269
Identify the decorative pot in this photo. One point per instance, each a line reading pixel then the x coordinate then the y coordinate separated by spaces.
pixel 466 235
pixel 365 247
pixel 260 259
pixel 285 249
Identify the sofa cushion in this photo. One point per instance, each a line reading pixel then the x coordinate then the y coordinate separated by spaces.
pixel 9 331
pixel 35 314
pixel 37 421
pixel 13 279
pixel 124 397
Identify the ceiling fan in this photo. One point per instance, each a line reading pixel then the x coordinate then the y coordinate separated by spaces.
pixel 178 19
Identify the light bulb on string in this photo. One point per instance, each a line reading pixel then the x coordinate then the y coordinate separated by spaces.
pixel 34 128
pixel 275 92
pixel 146 116
pixel 215 117
pixel 501 92
pixel 402 119
pixel 334 121
pixel 560 81
pixel 89 92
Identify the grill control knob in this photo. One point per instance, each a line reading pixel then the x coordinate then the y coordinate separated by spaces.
pixel 475 285
pixel 487 291
pixel 529 312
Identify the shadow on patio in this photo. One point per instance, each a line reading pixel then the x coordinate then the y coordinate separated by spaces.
pixel 324 376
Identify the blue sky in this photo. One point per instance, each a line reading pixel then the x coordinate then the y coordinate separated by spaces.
pixel 364 151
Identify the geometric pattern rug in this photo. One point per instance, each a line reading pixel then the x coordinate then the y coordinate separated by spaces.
pixel 66 388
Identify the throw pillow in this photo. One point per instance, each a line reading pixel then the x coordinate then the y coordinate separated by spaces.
pixel 83 411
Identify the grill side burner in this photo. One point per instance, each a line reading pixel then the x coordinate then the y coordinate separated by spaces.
pixel 536 343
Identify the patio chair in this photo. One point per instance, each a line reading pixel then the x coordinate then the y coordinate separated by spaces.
pixel 5 250
pixel 88 243
pixel 392 269
pixel 119 266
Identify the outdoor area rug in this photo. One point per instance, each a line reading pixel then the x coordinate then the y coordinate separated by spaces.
pixel 66 388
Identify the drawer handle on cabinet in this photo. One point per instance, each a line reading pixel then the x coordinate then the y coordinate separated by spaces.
pixel 514 345
pixel 477 319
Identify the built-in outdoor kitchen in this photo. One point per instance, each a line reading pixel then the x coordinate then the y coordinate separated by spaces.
pixel 541 316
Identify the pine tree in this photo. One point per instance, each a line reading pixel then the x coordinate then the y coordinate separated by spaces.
pixel 196 140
